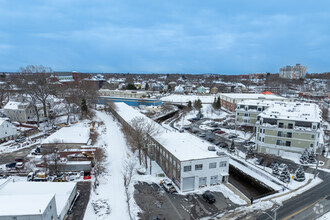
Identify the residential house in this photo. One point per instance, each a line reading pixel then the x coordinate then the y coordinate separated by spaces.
pixel 7 130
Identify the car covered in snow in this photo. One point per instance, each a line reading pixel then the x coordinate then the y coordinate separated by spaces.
pixel 168 186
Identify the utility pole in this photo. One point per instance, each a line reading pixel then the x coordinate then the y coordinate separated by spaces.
pixel 317 165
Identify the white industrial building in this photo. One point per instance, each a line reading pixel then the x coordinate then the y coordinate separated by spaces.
pixel 183 157
pixel 35 200
pixel 7 130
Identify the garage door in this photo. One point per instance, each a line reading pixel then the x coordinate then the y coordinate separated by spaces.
pixel 188 184
pixel 214 180
pixel 202 181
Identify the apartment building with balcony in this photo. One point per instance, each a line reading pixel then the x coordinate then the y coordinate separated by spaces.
pixel 289 127
pixel 247 111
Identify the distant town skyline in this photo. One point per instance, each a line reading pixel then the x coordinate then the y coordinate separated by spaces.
pixel 188 37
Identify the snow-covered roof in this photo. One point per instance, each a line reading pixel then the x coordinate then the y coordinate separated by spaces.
pixel 187 98
pixel 294 111
pixel 257 102
pixel 183 146
pixel 16 205
pixel 73 135
pixel 12 105
pixel 251 96
pixel 62 192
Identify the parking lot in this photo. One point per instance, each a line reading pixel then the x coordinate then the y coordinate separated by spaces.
pixel 155 202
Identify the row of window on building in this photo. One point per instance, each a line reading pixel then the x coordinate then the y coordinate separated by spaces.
pixel 200 166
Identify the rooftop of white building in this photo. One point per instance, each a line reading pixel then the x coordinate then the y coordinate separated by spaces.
pixel 183 146
pixel 62 193
pixel 69 135
pixel 294 111
pixel 16 205
pixel 251 96
pixel 255 102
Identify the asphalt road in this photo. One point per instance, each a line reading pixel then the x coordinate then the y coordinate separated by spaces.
pixel 302 206
pixel 79 208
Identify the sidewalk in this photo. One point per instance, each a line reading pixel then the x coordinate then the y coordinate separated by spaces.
pixel 291 191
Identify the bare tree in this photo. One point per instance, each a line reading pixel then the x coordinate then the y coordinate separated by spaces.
pixel 142 129
pixel 36 83
pixel 99 157
pixel 4 92
pixel 128 171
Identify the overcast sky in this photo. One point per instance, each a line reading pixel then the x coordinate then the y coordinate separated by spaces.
pixel 227 37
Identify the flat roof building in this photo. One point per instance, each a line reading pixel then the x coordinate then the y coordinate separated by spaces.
pixel 289 127
pixel 230 100
pixel 36 200
pixel 183 157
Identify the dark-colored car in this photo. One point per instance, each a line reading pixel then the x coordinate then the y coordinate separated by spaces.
pixel 207 195
pixel 223 145
pixel 232 136
pixel 20 139
pixel 11 165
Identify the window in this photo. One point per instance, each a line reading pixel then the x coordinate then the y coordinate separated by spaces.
pixel 223 163
pixel 279 142
pixel 290 126
pixel 312 145
pixel 260 130
pixel 263 131
pixel 186 168
pixel 263 139
pixel 313 136
pixel 314 127
pixel 212 165
pixel 289 134
pixel 288 143
pixel 198 166
pixel 280 133
pixel 246 114
pixel 280 125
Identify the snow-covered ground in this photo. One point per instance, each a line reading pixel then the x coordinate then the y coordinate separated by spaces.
pixel 110 195
pixel 326 216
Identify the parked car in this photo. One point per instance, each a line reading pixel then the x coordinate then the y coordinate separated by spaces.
pixel 232 136
pixel 11 165
pixel 217 143
pixel 215 130
pixel 224 145
pixel 20 139
pixel 168 186
pixel 220 132
pixel 211 148
pixel 207 195
pixel 201 135
pixel 19 165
